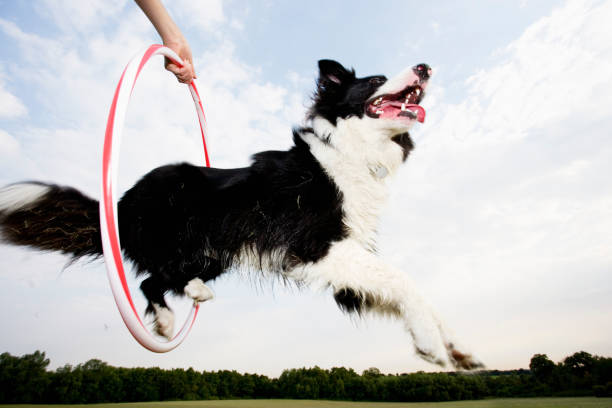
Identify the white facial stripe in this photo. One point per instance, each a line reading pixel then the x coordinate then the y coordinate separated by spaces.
pixel 399 82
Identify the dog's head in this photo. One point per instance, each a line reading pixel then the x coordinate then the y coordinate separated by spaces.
pixel 385 108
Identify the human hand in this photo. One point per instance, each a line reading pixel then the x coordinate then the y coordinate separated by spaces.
pixel 172 38
pixel 185 73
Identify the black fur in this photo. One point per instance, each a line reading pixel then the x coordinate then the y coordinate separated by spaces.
pixel 404 140
pixel 349 301
pixel 180 221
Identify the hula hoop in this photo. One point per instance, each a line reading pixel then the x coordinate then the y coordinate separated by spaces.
pixel 108 204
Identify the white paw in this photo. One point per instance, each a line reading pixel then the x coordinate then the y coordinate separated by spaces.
pixel 432 343
pixel 462 359
pixel 428 341
pixel 198 291
pixel 164 321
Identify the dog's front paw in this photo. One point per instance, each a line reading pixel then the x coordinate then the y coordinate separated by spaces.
pixel 164 321
pixel 428 342
pixel 433 343
pixel 198 291
pixel 462 360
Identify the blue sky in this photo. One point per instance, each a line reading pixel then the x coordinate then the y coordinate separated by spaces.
pixel 502 213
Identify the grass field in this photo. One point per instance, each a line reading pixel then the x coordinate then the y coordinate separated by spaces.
pixel 493 403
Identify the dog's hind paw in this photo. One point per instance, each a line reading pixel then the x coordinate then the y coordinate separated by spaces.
pixel 198 291
pixel 164 321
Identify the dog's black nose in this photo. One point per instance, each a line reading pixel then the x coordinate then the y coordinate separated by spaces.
pixel 423 71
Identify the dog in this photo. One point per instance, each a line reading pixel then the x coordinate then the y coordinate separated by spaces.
pixel 309 214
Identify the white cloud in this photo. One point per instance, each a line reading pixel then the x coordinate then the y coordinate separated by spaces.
pixel 246 114
pixel 502 213
pixel 80 16
pixel 435 26
pixel 33 48
pixel 557 69
pixel 8 145
pixel 10 105
pixel 507 196
pixel 202 13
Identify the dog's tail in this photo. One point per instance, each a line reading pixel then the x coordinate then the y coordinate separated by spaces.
pixel 50 217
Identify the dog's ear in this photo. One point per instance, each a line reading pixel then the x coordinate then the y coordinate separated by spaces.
pixel 332 73
pixel 332 86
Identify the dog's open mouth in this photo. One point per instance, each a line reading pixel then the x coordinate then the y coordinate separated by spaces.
pixel 403 105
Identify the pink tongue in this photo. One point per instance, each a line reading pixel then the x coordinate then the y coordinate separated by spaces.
pixel 418 109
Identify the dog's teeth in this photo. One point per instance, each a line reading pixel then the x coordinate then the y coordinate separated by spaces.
pixel 403 106
pixel 378 101
pixel 380 112
pixel 418 91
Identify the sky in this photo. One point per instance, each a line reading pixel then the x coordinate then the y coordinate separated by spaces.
pixel 502 214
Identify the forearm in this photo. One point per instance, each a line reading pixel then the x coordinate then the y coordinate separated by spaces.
pixel 161 20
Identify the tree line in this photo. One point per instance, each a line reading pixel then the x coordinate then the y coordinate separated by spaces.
pixel 26 379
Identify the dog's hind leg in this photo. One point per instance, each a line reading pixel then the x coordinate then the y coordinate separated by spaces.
pixel 197 290
pixel 187 280
pixel 203 271
pixel 362 283
pixel 154 289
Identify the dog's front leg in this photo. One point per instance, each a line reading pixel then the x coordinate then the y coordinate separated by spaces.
pixel 361 282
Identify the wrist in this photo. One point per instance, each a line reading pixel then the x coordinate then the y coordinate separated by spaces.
pixel 175 39
pixel 172 35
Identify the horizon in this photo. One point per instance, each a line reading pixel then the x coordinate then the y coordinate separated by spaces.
pixel 456 371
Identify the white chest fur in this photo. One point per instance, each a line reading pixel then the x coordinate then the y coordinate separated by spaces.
pixel 359 159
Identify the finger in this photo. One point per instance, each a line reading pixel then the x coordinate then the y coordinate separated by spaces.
pixel 173 68
pixel 182 74
pixel 189 67
pixel 185 75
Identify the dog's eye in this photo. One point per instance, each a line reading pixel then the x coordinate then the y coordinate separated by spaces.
pixel 378 81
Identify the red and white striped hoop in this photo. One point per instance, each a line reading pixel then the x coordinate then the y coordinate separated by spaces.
pixel 108 204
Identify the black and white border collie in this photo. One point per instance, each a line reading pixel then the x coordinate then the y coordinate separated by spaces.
pixel 309 214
